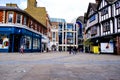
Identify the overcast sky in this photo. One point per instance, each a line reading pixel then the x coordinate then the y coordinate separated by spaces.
pixel 66 9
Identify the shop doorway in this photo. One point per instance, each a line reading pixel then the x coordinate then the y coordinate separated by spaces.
pixel 16 43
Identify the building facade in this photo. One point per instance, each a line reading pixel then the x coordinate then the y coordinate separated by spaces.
pixel 81 27
pixel 64 35
pixel 40 14
pixel 104 34
pixel 18 28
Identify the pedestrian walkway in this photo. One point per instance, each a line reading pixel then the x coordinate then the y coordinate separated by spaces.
pixel 59 66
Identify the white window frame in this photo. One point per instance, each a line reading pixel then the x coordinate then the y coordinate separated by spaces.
pixel 10 15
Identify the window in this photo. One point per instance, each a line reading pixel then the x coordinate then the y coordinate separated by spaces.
pixel 104 11
pixel 94 30
pixel 69 34
pixel 118 22
pixel 36 43
pixel 10 17
pixel 26 41
pixel 25 20
pixel 106 26
pixel 18 18
pixel 92 18
pixel 69 41
pixel 60 38
pixel 60 27
pixel 117 4
pixel 69 26
pixel 53 34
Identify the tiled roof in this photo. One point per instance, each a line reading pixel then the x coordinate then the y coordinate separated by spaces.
pixel 94 6
pixel 10 8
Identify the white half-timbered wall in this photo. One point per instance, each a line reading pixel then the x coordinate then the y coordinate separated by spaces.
pixel 116 12
pixel 107 16
pixel 102 4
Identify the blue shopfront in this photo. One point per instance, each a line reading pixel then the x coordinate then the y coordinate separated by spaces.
pixel 12 38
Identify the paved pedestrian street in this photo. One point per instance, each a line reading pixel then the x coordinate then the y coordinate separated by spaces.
pixel 59 66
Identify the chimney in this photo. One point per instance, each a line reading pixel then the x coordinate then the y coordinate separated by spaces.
pixel 31 3
pixel 11 5
pixel 97 1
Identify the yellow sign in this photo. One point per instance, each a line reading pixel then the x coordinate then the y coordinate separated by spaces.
pixel 96 49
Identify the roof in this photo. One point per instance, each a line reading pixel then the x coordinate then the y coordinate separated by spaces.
pixel 57 20
pixel 93 6
pixel 19 10
pixel 11 8
pixel 39 13
pixel 80 18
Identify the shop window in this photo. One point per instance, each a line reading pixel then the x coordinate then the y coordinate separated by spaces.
pixel 36 43
pixel 4 41
pixel 10 17
pixel 19 18
pixel 26 41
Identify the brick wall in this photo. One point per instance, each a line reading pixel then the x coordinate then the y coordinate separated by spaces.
pixel 1 16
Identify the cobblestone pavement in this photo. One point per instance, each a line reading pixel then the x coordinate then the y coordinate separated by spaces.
pixel 59 66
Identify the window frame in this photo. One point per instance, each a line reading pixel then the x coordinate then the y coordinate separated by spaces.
pixel 104 11
pixel 10 13
pixel 19 19
pixel 106 26
pixel 118 22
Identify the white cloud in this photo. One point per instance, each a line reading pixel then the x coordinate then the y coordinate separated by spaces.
pixel 67 9
pixel 23 4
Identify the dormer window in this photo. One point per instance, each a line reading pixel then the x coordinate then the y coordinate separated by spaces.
pixel 117 4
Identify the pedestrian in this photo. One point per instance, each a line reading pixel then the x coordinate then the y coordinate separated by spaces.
pixel 74 50
pixel 70 50
pixel 22 49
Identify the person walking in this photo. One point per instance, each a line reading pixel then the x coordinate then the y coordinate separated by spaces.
pixel 74 50
pixel 70 50
pixel 22 49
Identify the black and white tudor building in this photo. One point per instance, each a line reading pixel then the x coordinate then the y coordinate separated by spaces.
pixel 103 26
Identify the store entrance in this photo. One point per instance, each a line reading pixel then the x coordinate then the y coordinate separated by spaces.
pixel 16 43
